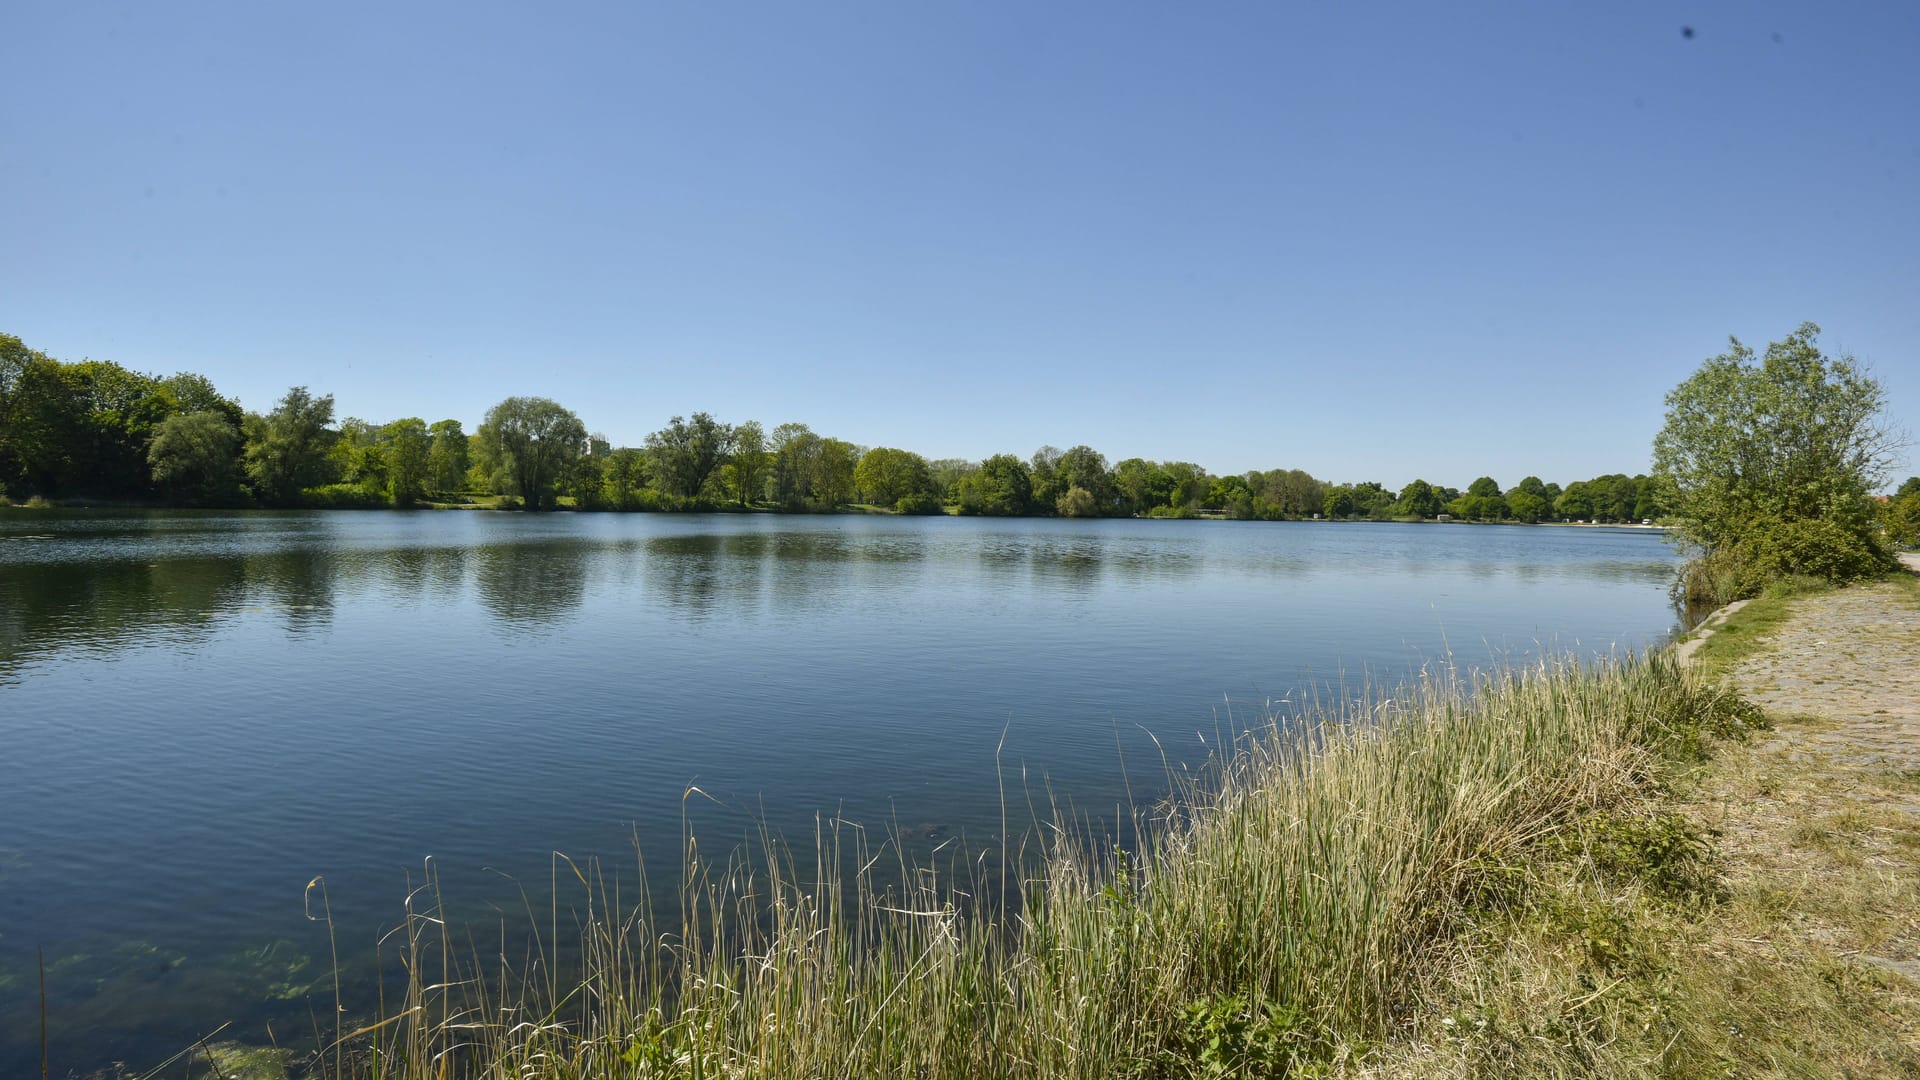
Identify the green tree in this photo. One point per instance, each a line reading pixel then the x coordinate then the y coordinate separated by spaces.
pixel 1532 486
pixel 532 441
pixel 1086 468
pixel 946 474
pixel 1575 504
pixel 1077 502
pixel 1227 491
pixel 790 481
pixel 832 481
pixel 358 458
pixel 1142 485
pixel 1526 506
pixel 195 458
pixel 1001 487
pixel 1045 485
pixel 687 452
pixel 1772 461
pixel 447 458
pixel 885 475
pixel 747 462
pixel 287 448
pixel 33 408
pixel 1911 486
pixel 1338 502
pixel 1793 435
pixel 409 450
pixel 622 478
pixel 1418 500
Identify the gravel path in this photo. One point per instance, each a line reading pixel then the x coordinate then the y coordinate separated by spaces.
pixel 1851 657
pixel 1831 813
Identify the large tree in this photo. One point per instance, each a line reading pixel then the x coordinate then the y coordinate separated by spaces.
pixel 886 475
pixel 1792 435
pixel 1417 499
pixel 287 448
pixel 531 441
pixel 409 452
pixel 195 457
pixel 686 452
pixel 447 459
pixel 1001 487
pixel 748 461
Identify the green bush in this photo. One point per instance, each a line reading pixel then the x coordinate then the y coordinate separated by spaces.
pixel 1770 551
pixel 919 503
pixel 342 497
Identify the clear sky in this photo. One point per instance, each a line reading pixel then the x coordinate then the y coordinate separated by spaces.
pixel 1370 241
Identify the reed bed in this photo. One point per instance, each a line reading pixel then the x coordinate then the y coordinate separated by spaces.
pixel 1278 913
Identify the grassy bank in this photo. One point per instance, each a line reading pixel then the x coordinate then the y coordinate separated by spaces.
pixel 1338 897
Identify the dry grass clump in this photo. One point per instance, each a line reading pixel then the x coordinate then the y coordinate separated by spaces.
pixel 1447 880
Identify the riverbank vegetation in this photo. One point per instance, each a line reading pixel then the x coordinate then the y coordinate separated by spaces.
pixel 96 432
pixel 1455 879
pixel 1774 461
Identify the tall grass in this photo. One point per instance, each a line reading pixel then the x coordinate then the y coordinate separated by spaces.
pixel 1279 909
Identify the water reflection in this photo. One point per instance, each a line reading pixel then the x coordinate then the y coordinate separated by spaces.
pixel 869 666
pixel 534 585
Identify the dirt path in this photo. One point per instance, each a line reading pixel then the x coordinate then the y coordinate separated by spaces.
pixel 1852 658
pixel 1826 814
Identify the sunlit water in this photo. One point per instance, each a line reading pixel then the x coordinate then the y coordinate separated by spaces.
pixel 202 712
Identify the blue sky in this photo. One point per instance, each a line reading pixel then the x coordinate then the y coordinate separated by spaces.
pixel 1370 241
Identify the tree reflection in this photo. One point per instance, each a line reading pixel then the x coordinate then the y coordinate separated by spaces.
pixel 527 586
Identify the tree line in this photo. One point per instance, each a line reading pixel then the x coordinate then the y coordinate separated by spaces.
pixel 95 430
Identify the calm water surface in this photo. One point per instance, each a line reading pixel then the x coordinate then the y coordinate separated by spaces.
pixel 204 711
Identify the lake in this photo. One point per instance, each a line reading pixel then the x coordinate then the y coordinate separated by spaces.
pixel 204 711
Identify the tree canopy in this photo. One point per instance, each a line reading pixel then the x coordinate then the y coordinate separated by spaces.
pixel 1770 462
pixel 532 440
pixel 1792 435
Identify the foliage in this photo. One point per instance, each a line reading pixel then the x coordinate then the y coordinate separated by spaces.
pixel 342 497
pixel 409 448
pixel 1768 551
pixel 195 458
pixel 90 429
pixel 531 441
pixel 886 476
pixel 1526 506
pixel 1001 487
pixel 1417 500
pixel 447 459
pixel 1757 449
pixel 1077 502
pixel 748 462
pixel 287 448
pixel 686 453
pixel 623 478
pixel 1225 1036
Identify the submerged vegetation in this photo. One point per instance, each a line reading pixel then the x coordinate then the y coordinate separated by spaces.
pixel 1329 898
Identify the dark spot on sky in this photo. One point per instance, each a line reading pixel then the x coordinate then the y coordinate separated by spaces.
pixel 1686 32
pixel 1776 37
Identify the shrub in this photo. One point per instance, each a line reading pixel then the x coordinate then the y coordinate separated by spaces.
pixel 342 497
pixel 918 503
pixel 1770 551
pixel 1078 502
